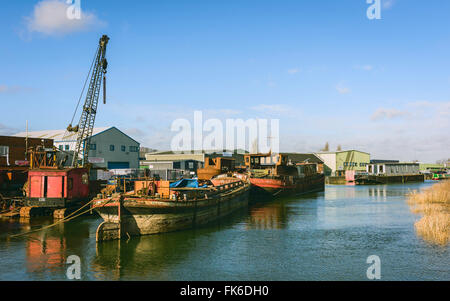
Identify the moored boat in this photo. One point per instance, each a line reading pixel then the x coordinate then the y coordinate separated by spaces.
pixel 156 207
pixel 274 175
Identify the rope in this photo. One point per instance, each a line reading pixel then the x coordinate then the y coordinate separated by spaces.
pixel 85 82
pixel 66 219
pixel 82 92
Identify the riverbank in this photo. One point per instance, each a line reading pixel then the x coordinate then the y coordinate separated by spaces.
pixel 434 204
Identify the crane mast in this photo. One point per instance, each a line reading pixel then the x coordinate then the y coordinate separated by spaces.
pixel 85 127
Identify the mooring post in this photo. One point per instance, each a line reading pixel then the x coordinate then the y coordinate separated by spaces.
pixel 119 215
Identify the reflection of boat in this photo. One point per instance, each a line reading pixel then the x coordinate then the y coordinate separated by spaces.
pixel 276 175
pixel 272 216
pixel 152 257
pixel 144 256
pixel 157 206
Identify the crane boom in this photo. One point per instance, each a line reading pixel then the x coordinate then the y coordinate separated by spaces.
pixel 86 125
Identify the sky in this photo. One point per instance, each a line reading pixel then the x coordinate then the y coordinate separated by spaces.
pixel 323 68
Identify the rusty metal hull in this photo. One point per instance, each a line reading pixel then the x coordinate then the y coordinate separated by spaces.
pixel 146 216
pixel 269 188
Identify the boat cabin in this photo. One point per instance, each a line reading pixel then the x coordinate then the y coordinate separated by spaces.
pixel 262 161
pixel 58 187
pixel 214 167
pixel 393 169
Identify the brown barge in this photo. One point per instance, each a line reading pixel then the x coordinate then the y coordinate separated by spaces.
pixel 275 175
pixel 153 207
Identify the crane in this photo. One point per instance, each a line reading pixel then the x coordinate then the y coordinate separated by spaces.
pixel 85 126
pixel 50 183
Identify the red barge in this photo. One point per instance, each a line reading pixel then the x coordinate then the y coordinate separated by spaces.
pixel 274 175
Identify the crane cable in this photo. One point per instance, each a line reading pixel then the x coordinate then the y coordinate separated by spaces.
pixel 84 88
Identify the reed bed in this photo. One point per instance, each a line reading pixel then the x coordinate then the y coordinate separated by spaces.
pixel 434 204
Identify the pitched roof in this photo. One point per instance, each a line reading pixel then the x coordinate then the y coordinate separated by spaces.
pixel 57 135
pixel 299 158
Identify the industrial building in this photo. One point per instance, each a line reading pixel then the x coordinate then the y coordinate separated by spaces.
pixel 110 148
pixel 337 163
pixel 15 160
pixel 14 150
pixel 169 165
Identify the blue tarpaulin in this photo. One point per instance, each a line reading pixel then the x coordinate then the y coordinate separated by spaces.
pixel 190 183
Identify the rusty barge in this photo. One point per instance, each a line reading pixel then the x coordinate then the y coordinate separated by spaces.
pixel 156 207
pixel 275 175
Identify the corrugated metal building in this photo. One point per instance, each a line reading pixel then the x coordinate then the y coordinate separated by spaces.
pixel 337 163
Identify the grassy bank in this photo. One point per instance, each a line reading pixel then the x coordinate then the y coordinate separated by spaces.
pixel 434 204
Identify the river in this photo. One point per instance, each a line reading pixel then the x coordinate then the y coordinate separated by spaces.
pixel 319 236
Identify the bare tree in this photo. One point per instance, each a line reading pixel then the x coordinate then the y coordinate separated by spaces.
pixel 339 148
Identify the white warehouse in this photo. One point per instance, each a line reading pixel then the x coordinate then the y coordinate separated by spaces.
pixel 110 148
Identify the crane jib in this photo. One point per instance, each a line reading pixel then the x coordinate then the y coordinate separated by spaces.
pixel 87 120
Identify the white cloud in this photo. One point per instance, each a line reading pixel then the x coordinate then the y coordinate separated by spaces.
pixel 277 108
pixel 364 67
pixel 387 4
pixel 293 71
pixel 342 90
pixel 382 113
pixel 50 17
pixel 13 89
pixel 6 130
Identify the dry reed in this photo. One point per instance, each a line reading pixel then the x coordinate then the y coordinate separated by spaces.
pixel 434 204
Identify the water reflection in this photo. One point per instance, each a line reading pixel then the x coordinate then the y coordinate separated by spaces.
pixel 45 254
pixel 323 236
pixel 152 256
pixel 373 192
pixel 46 251
pixel 276 214
pixel 271 216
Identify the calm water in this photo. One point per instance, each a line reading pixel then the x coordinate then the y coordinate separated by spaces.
pixel 323 236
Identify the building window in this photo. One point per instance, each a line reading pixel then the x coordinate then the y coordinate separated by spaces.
pixel 93 147
pixel 134 149
pixel 111 147
pixel 67 147
pixel 61 147
pixel 123 148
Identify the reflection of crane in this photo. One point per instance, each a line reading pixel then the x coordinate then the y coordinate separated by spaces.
pixel 85 127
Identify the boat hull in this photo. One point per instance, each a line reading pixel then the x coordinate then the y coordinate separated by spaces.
pixel 269 188
pixel 145 217
pixel 374 179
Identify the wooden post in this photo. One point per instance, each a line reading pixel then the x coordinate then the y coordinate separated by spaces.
pixel 119 215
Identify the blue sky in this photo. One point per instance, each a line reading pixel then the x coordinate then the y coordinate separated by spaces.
pixel 321 67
